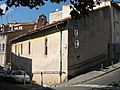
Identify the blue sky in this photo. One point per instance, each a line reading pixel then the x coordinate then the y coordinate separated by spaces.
pixel 24 14
pixel 116 0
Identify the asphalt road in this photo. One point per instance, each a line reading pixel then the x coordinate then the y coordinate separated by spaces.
pixel 13 86
pixel 106 79
pixel 10 86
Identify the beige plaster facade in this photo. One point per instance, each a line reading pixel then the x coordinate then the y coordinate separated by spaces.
pixel 41 62
pixel 8 32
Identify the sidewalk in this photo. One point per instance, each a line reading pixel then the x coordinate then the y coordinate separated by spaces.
pixel 90 76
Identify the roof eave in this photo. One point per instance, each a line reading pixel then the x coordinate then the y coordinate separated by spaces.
pixel 35 31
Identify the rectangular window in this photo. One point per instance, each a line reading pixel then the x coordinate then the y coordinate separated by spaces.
pixel 18 51
pixel 0 47
pixel 20 27
pixel 4 36
pixel 29 48
pixel 3 46
pixel 46 46
pixel 21 48
pixel 15 49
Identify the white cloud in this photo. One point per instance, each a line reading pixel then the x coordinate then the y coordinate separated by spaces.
pixel 3 6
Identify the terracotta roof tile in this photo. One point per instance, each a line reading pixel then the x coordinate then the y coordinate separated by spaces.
pixel 22 23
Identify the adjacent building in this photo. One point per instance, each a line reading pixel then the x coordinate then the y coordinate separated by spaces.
pixel 58 15
pixel 8 32
pixel 67 47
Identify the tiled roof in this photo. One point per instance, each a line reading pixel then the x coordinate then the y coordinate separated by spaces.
pixel 22 23
pixel 10 31
pixel 42 28
pixel 13 31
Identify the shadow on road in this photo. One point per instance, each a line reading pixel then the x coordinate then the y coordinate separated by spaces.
pixel 14 86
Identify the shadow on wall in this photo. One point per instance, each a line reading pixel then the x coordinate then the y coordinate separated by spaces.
pixel 21 63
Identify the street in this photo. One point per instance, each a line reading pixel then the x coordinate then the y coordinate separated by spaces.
pixel 10 86
pixel 90 85
pixel 107 78
pixel 101 80
pixel 14 86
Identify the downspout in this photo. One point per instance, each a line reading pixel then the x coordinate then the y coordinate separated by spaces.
pixel 114 56
pixel 6 47
pixel 113 30
pixel 110 46
pixel 10 55
pixel 61 56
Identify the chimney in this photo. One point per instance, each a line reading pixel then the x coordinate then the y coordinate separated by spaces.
pixel 42 20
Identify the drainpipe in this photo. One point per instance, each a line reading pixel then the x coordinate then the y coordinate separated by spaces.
pixel 60 56
pixel 111 32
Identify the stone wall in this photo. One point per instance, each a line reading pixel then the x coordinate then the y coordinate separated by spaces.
pixel 88 39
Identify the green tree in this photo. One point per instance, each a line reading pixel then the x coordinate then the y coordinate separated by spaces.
pixel 79 7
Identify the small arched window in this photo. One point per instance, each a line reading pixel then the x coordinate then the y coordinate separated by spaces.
pixel 0 47
pixel 3 47
pixel 21 48
pixel 15 49
pixel 29 47
pixel 46 46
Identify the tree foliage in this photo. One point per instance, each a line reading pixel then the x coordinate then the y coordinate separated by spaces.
pixel 1 12
pixel 79 7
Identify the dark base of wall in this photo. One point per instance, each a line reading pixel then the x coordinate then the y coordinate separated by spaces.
pixel 97 64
